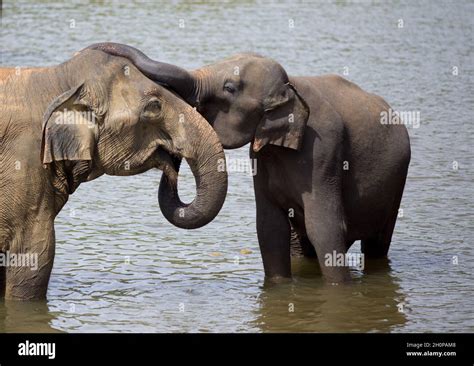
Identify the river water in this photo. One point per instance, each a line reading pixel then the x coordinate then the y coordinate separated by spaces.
pixel 121 267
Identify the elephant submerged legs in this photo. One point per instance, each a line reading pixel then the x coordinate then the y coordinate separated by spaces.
pixel 31 262
pixel 273 231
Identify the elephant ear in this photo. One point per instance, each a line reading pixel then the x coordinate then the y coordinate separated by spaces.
pixel 284 120
pixel 69 138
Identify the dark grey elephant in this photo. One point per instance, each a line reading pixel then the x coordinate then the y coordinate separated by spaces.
pixel 326 163
pixel 94 114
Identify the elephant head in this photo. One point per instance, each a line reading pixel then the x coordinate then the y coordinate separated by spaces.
pixel 114 120
pixel 246 98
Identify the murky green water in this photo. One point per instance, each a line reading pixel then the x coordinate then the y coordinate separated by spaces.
pixel 121 267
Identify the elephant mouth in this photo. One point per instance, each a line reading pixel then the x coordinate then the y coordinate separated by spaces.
pixel 168 162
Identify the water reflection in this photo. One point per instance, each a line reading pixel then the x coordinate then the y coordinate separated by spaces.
pixel 26 316
pixel 307 304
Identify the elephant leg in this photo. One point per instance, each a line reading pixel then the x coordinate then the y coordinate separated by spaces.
pixel 295 246
pixel 273 230
pixel 325 230
pixel 301 246
pixel 306 247
pixel 28 278
pixel 378 245
pixel 374 247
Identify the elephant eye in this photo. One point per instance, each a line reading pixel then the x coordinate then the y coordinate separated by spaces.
pixel 230 88
pixel 152 109
pixel 154 105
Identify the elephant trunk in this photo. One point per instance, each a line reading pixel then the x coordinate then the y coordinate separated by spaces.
pixel 204 152
pixel 206 158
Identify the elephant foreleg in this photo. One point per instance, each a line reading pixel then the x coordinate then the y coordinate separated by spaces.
pixel 273 230
pixel 27 277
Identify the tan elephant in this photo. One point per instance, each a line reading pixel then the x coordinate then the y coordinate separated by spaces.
pixel 94 114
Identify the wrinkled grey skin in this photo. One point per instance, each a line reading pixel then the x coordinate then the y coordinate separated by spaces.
pixel 326 163
pixel 137 125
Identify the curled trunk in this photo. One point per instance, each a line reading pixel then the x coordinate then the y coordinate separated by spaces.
pixel 207 162
pixel 204 152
